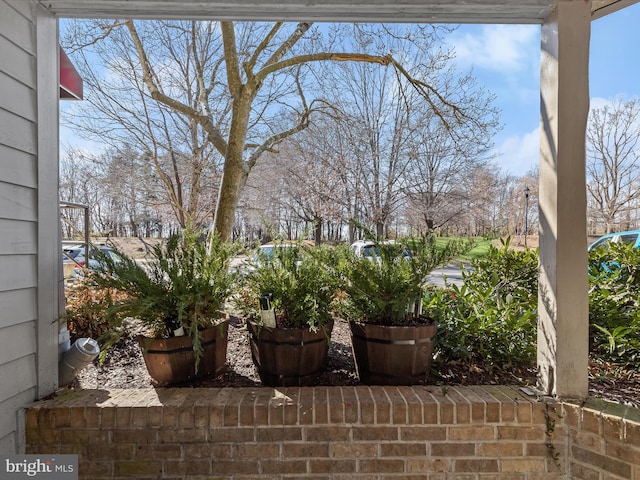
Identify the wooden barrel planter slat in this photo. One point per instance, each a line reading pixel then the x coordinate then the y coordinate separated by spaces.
pixel 392 355
pixel 172 360
pixel 288 356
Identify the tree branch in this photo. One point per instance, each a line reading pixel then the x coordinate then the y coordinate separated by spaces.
pixel 234 81
pixel 156 93
pixel 424 89
pixel 299 32
pixel 278 137
pixel 302 124
pixel 249 66
pixel 321 57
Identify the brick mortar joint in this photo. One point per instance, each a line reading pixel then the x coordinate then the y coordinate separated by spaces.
pixel 121 399
pixel 92 407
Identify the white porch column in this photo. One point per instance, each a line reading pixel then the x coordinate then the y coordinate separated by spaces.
pixel 48 223
pixel 563 298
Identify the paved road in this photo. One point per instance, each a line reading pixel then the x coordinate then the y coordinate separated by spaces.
pixel 452 273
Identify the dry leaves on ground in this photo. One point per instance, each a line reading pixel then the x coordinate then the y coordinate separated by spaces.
pixel 125 368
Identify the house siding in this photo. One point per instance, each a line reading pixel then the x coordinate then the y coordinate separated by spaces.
pixel 22 315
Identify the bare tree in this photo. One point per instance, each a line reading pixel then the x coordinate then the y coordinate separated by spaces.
pixel 176 165
pixel 613 161
pixel 313 188
pixel 78 183
pixel 405 152
pixel 379 150
pixel 334 144
pixel 314 177
pixel 497 203
pixel 443 175
pixel 243 85
pixel 377 111
pixel 128 192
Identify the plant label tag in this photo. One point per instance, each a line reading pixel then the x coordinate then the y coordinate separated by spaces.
pixel 179 332
pixel 267 312
pixel 268 318
pixel 414 308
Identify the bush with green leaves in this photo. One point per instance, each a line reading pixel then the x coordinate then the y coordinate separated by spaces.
pixel 614 303
pixel 492 316
pixel 302 284
pixel 381 290
pixel 186 281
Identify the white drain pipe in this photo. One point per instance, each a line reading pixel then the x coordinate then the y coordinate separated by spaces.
pixel 82 353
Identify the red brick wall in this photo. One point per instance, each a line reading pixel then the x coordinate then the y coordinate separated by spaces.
pixel 335 432
pixel 604 440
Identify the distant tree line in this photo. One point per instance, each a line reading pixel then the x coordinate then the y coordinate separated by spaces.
pixel 295 196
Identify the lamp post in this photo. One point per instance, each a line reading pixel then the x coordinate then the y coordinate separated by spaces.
pixel 526 214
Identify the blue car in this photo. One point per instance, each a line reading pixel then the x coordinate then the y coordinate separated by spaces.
pixel 611 267
pixel 631 237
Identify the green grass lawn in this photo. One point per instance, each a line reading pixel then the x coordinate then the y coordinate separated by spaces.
pixel 480 249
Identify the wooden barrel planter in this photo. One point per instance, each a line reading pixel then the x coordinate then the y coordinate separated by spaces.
pixel 172 360
pixel 392 355
pixel 288 356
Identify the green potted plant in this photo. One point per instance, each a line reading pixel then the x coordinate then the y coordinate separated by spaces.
pixel 176 301
pixel 287 300
pixel 392 340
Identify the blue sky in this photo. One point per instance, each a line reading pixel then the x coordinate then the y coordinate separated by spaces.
pixel 506 59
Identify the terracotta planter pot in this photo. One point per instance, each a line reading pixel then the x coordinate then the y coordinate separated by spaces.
pixel 288 356
pixel 392 355
pixel 172 360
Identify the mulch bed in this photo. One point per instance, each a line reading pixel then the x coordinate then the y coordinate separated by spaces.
pixel 125 368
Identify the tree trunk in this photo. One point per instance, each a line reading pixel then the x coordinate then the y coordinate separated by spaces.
pixel 318 230
pixel 234 176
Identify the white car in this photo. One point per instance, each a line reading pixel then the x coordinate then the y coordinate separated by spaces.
pixel 370 249
pixel 264 254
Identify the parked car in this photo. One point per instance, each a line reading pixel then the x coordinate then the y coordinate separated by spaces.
pixel 371 250
pixel 365 248
pixel 631 237
pixel 612 266
pixel 263 254
pixel 75 255
pixel 266 252
pixel 69 252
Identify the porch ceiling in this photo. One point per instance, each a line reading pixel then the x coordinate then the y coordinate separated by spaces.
pixel 427 11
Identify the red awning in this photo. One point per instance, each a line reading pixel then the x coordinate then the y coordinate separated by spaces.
pixel 70 81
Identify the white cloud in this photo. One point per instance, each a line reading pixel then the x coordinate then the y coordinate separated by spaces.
pixel 504 48
pixel 599 103
pixel 518 154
